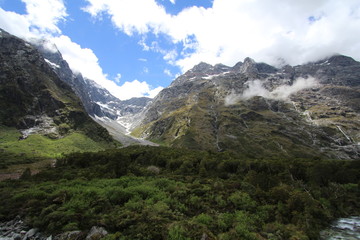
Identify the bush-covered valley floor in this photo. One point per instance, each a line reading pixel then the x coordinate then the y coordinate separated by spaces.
pixel 165 193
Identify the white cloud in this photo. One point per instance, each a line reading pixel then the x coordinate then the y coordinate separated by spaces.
pixel 117 78
pixel 255 88
pixel 45 14
pixel 142 43
pixel 153 92
pixel 131 16
pixel 41 21
pixel 15 24
pixel 172 1
pixel 137 89
pixel 170 57
pixel 282 92
pixel 168 72
pixel 296 31
pixel 84 60
pixel 80 59
pixel 230 30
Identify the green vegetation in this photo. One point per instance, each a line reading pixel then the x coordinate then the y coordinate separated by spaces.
pixel 256 128
pixel 165 193
pixel 38 147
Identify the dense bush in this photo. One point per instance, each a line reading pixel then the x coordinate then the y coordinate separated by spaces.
pixel 191 194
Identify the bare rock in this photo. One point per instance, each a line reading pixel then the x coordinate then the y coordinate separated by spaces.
pixel 72 235
pixel 96 233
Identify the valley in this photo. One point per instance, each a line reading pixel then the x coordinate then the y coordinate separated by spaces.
pixel 251 151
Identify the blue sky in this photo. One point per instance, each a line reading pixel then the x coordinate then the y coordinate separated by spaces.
pixel 136 47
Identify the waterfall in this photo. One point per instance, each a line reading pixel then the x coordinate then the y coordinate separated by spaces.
pixel 343 132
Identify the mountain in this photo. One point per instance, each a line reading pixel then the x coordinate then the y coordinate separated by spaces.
pixel 254 109
pixel 97 100
pixel 107 110
pixel 34 100
pixel 258 110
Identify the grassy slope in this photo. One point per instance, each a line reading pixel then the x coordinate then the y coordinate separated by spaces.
pixel 37 147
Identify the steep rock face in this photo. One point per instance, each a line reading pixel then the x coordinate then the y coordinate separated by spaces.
pixel 84 88
pixel 32 96
pixel 257 110
pixel 97 100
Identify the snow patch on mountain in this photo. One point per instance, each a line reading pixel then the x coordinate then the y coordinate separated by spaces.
pixel 53 65
pixel 209 77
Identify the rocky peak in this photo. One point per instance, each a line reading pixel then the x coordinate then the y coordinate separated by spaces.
pixel 200 70
pixel 237 67
pixel 249 60
pixel 341 60
pixel 265 68
pixel 288 71
pixel 249 66
pixel 221 68
pixel 48 49
pixel 202 67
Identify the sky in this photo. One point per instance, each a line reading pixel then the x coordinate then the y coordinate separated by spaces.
pixel 135 48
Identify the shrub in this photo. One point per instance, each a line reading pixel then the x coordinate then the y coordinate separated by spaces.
pixel 177 232
pixel 153 170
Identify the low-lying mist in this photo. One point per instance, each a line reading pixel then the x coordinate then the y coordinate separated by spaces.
pixel 282 92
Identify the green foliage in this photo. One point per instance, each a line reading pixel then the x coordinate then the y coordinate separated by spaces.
pixel 177 232
pixel 203 219
pixel 192 195
pixel 242 200
pixel 37 147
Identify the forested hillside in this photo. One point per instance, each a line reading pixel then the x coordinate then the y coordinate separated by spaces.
pixel 162 193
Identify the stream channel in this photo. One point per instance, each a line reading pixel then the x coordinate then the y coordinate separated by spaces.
pixel 343 228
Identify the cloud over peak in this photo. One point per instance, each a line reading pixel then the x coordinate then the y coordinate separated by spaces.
pixel 282 92
pixel 44 15
pixel 294 31
pixel 272 31
pixel 41 21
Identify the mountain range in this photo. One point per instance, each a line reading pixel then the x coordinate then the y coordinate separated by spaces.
pixel 251 151
pixel 258 110
pixel 252 109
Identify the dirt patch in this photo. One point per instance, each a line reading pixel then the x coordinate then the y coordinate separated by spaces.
pixel 15 171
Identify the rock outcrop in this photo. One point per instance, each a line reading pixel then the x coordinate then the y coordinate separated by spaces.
pixel 16 229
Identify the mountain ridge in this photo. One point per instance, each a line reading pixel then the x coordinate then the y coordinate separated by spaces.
pixel 293 107
pixel 36 104
pixel 96 99
pixel 104 108
pixel 255 109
